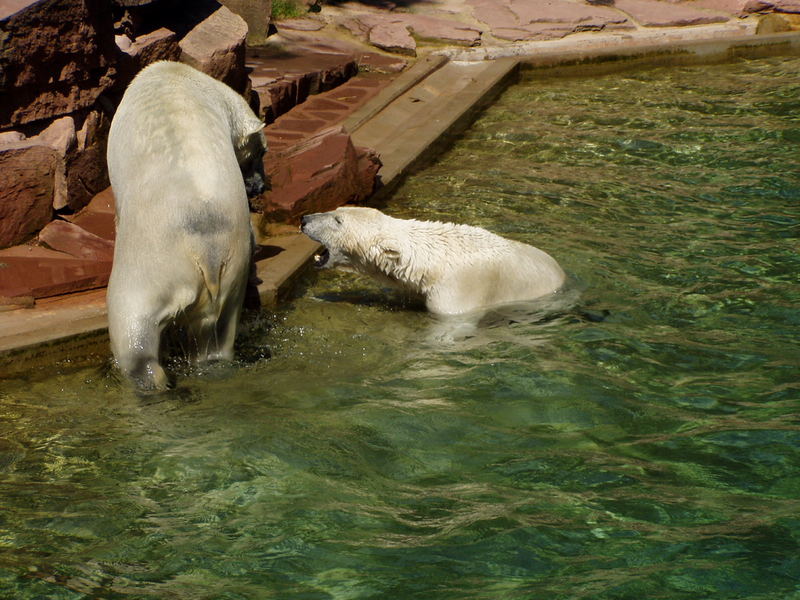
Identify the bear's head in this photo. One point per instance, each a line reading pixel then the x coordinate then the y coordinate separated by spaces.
pixel 355 238
pixel 250 152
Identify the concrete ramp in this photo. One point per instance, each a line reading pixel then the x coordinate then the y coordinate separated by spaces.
pixel 408 121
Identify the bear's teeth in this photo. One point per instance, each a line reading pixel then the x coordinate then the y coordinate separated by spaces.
pixel 321 258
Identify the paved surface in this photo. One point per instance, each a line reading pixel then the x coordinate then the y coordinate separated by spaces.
pixel 505 27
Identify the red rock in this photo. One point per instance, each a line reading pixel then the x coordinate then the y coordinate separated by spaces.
pixel 39 273
pixel 785 6
pixel 161 44
pixel 444 30
pixel 281 83
pixel 97 217
pixel 256 13
pixel 392 32
pixel 60 136
pixel 533 32
pixel 57 57
pixel 26 190
pixel 319 175
pixel 563 11
pixel 494 13
pixel 11 137
pixel 87 173
pixel 392 37
pixel 15 302
pixel 372 61
pixel 77 242
pixel 300 24
pixel 651 13
pixel 734 7
pixel 216 47
pixel 81 164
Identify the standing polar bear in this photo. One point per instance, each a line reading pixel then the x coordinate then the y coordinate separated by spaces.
pixel 457 269
pixel 184 153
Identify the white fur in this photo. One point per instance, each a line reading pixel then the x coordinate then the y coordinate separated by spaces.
pixel 457 269
pixel 176 149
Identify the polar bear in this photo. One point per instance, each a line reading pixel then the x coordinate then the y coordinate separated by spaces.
pixel 456 269
pixel 184 153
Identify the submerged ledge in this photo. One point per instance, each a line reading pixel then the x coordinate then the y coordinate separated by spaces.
pixel 408 124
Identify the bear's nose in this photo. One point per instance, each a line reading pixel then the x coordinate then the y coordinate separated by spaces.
pixel 303 220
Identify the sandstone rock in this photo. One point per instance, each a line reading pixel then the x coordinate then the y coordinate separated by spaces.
pixel 392 37
pixel 772 23
pixel 61 137
pixel 519 20
pixel 392 32
pixel 563 11
pixel 380 63
pixel 38 272
pixel 15 302
pixel 443 30
pixel 161 44
pixel 738 8
pixel 319 175
pixel 652 13
pixel 784 6
pixel 57 57
pixel 87 173
pixel 97 217
pixel 300 24
pixel 533 32
pixel 74 240
pixel 10 137
pixel 256 14
pixel 282 83
pixel 80 158
pixel 216 47
pixel 495 14
pixel 26 189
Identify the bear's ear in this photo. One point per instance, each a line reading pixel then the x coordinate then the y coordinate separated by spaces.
pixel 390 249
pixel 253 126
pixel 386 254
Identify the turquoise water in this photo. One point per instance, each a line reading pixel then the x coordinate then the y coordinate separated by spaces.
pixel 644 443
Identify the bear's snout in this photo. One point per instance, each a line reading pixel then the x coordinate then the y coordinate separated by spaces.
pixel 306 221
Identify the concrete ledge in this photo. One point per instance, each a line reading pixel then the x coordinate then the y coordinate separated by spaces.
pixel 64 328
pixel 289 256
pixel 404 82
pixel 593 61
pixel 408 131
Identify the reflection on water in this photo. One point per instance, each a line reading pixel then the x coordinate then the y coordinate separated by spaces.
pixel 642 442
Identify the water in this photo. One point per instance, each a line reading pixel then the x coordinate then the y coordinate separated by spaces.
pixel 644 443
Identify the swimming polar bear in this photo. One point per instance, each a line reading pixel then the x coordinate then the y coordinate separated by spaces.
pixel 456 269
pixel 184 153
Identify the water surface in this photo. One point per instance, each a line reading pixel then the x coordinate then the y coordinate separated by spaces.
pixel 643 443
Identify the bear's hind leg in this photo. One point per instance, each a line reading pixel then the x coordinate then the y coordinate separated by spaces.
pixel 136 350
pixel 221 347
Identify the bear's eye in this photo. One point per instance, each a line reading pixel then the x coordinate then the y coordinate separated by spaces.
pixel 338 219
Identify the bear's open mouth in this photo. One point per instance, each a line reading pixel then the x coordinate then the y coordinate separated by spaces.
pixel 321 258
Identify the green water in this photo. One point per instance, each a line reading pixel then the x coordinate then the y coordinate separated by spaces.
pixel 644 443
